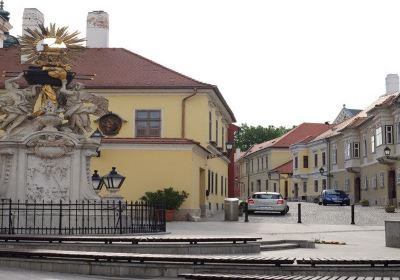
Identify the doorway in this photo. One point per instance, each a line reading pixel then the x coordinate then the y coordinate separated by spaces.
pixel 392 195
pixel 357 189
pixel 286 191
pixel 202 192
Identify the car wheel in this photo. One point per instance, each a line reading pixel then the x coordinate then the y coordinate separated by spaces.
pixel 250 211
pixel 341 204
pixel 324 203
pixel 320 203
pixel 348 204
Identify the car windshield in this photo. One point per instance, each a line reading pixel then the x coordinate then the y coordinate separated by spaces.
pixel 267 196
pixel 336 192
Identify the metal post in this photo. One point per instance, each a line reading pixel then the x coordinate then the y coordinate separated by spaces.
pixel 120 216
pixel 299 213
pixel 352 215
pixel 60 219
pixel 246 212
pixel 10 217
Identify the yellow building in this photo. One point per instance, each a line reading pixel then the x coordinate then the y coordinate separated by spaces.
pixel 164 127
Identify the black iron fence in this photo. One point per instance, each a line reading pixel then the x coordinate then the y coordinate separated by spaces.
pixel 83 217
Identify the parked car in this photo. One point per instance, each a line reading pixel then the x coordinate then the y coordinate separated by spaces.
pixel 267 201
pixel 334 197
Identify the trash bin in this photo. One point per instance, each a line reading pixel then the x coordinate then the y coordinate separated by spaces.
pixel 231 206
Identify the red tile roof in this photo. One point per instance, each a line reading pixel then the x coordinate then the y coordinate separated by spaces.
pixel 117 68
pixel 303 132
pixel 286 168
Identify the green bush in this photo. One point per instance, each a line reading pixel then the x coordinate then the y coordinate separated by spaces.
pixel 364 202
pixel 172 199
pixel 390 208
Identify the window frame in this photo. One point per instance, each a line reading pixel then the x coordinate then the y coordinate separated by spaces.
pixel 305 162
pixel 148 120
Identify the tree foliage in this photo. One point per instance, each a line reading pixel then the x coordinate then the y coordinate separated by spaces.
pixel 250 135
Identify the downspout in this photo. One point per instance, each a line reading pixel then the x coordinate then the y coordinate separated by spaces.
pixel 328 172
pixel 184 112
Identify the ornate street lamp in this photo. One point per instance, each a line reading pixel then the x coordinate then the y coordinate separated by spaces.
pixel 113 180
pixel 321 171
pixel 387 151
pixel 97 135
pixel 228 147
pixel 97 181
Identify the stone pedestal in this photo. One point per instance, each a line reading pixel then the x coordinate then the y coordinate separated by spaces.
pixel 392 234
pixel 47 165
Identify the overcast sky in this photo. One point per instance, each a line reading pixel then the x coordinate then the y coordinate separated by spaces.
pixel 276 62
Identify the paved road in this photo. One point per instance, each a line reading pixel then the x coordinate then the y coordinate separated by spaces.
pixel 312 213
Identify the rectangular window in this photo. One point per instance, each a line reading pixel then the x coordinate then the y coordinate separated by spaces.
pixel 296 162
pixel 304 187
pixel 252 165
pixel 347 185
pixel 216 183
pixel 323 158
pixel 305 161
pixel 212 182
pixel 365 147
pixel 259 185
pixel 315 160
pixel 252 187
pixel 315 185
pixel 398 132
pixel 347 154
pixel 324 184
pixel 222 185
pixel 209 127
pixel 209 181
pixel 266 185
pixel 375 181
pixel 258 164
pixel 266 162
pixel 372 144
pixel 274 187
pixel 216 132
pixel 148 123
pixel 389 134
pixel 223 138
pixel 262 163
pixel 382 179
pixel 334 156
pixel 379 136
pixel 356 149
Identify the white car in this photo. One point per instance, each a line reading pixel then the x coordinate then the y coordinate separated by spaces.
pixel 267 201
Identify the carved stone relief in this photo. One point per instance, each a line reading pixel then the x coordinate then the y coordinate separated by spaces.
pixel 48 179
pixel 50 146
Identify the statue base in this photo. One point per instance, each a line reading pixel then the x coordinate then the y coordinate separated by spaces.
pixel 47 166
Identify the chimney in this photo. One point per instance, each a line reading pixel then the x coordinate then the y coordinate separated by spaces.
pixel 97 30
pixel 392 83
pixel 31 19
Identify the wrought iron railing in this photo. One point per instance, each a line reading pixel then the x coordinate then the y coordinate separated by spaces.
pixel 80 217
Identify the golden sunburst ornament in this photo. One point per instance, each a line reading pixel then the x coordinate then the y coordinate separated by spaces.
pixel 50 45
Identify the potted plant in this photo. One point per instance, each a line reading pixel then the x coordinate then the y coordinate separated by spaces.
pixel 171 198
pixel 389 208
pixel 364 202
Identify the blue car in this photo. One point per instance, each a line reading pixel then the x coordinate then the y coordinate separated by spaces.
pixel 334 197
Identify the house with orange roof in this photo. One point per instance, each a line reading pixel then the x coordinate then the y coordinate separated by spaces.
pixel 359 155
pixel 266 166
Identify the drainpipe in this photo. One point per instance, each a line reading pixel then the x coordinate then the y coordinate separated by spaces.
pixel 184 111
pixel 328 172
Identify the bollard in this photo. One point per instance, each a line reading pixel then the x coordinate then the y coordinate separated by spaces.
pixel 352 215
pixel 246 212
pixel 299 213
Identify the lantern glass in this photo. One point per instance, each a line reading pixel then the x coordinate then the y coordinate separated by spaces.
pixel 97 181
pixel 387 151
pixel 113 180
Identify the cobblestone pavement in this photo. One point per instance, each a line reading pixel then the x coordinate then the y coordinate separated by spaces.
pixel 312 213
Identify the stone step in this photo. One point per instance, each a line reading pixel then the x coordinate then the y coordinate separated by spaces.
pixel 279 246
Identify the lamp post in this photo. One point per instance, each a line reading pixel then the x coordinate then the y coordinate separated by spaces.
pixel 113 182
pixel 97 135
pixel 97 181
pixel 387 151
pixel 228 147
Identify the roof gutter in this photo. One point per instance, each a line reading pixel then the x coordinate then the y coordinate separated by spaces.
pixel 183 132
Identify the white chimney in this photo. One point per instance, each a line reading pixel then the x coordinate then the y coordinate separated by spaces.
pixel 392 83
pixel 97 30
pixel 31 19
